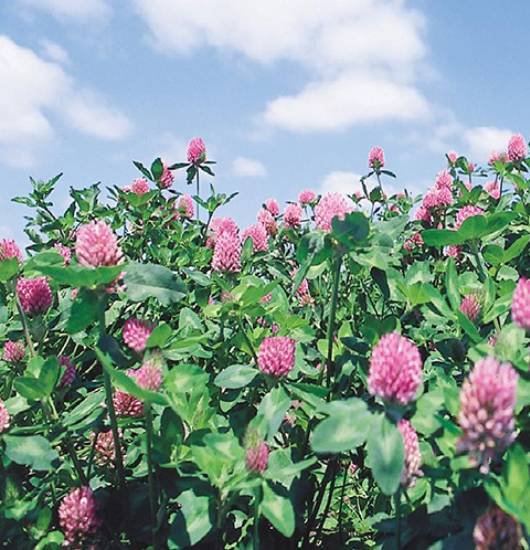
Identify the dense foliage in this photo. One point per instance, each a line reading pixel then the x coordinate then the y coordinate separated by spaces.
pixel 352 372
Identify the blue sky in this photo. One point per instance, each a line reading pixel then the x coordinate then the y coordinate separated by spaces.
pixel 287 94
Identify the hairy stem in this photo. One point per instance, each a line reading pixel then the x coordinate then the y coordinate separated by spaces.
pixel 341 505
pixel 328 505
pixel 25 328
pixel 481 270
pixel 255 536
pixel 397 501
pixel 198 194
pixel 110 403
pixel 153 492
pixel 331 320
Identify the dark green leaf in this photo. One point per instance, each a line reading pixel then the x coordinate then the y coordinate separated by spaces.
pixel 49 375
pixel 83 312
pixel 143 169
pixel 385 454
pixel 352 230
pixel 192 522
pixel 157 168
pixel 29 387
pixel 278 509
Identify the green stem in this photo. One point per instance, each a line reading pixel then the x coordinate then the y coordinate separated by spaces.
pixel 52 417
pixel 255 537
pixel 9 385
pixel 341 505
pixel 314 511
pixel 481 270
pixel 25 328
pixel 198 194
pixel 247 340
pixel 327 507
pixel 110 403
pixel 331 320
pixel 397 501
pixel 92 454
pixel 153 493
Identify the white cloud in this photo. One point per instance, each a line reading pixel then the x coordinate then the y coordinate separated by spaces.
pixel 88 113
pixel 364 56
pixel 483 140
pixel 243 166
pixel 54 51
pixel 343 182
pixel 70 9
pixel 32 88
pixel 350 99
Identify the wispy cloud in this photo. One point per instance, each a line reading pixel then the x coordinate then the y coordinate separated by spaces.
pixel 31 88
pixel 360 71
pixel 76 10
pixel 247 167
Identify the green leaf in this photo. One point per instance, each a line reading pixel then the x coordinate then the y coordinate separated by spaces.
pixel 138 201
pixel 29 387
pixel 124 382
pixel 153 281
pixel 83 312
pixel 178 165
pixel 206 169
pixel 352 230
pixel 278 509
pixel 157 168
pixel 160 335
pixel 190 173
pixel 8 269
pixel 473 228
pixel 143 169
pixel 79 277
pixel 186 378
pixel 385 454
pixel 451 284
pixel 440 237
pixel 516 248
pixel 493 254
pixel 34 451
pixel 49 375
pixel 380 279
pixel 197 276
pixel 345 429
pixel 48 257
pixel 480 226
pixel 235 376
pixel 417 294
pixel 469 327
pixel 272 409
pixel 192 522
pixel 438 301
pixel 310 245
pixel 510 343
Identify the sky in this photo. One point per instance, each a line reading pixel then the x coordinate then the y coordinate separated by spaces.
pixel 287 94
